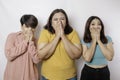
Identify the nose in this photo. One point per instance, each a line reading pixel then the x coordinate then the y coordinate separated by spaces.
pixel 59 20
pixel 95 26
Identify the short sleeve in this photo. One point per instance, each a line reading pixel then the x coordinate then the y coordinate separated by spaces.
pixel 43 37
pixel 75 38
pixel 82 42
pixel 109 39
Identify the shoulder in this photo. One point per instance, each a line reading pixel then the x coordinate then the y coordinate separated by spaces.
pixel 109 38
pixel 82 41
pixel 44 31
pixel 74 32
pixel 13 34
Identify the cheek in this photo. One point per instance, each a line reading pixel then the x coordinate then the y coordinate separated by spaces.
pixel 64 23
pixel 91 27
pixel 99 28
pixel 54 25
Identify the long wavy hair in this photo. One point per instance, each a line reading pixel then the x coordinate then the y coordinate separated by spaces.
pixel 87 35
pixel 68 29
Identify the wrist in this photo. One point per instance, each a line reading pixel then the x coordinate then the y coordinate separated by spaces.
pixel 94 41
pixel 57 37
pixel 98 41
pixel 62 36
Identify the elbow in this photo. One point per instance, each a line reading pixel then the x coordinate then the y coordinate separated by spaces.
pixel 87 59
pixel 76 56
pixel 110 58
pixel 8 56
pixel 10 59
pixel 39 55
pixel 37 59
pixel 42 56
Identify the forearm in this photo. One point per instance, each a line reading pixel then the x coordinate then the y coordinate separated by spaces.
pixel 48 50
pixel 14 51
pixel 88 55
pixel 33 52
pixel 106 52
pixel 73 51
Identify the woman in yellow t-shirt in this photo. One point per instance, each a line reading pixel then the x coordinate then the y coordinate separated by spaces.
pixel 59 46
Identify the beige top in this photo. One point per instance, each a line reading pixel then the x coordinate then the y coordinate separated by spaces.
pixel 21 58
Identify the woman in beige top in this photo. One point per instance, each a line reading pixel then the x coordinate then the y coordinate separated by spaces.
pixel 21 53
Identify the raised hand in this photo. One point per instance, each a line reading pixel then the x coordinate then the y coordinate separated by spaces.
pixel 28 36
pixel 98 34
pixel 61 29
pixel 93 34
pixel 57 30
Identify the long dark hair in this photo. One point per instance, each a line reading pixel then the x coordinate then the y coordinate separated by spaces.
pixel 87 36
pixel 68 29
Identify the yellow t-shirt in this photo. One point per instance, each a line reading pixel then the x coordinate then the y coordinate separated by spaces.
pixel 59 66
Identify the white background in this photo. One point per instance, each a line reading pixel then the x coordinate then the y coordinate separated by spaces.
pixel 78 12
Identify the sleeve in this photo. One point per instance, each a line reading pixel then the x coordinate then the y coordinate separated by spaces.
pixel 33 52
pixel 75 38
pixel 12 51
pixel 43 37
pixel 109 39
pixel 82 42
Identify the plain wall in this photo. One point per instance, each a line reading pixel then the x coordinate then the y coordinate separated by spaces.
pixel 78 12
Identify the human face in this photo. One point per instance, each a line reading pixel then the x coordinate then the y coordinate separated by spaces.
pixel 27 30
pixel 95 25
pixel 58 18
